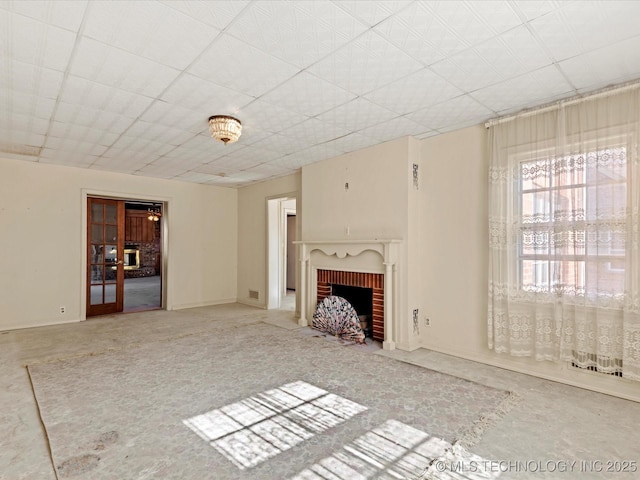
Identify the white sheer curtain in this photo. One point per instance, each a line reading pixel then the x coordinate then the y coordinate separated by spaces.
pixel 564 264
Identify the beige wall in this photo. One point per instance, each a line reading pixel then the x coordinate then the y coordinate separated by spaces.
pixel 42 239
pixel 373 207
pixel 455 262
pixel 252 234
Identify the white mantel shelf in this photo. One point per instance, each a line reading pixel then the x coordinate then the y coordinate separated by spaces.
pixel 388 250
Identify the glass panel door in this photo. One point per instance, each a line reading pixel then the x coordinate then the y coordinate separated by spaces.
pixel 105 256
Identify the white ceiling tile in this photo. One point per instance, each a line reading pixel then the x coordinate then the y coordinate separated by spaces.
pixel 211 168
pixel 396 128
pixel 217 14
pixel 241 67
pixel 136 144
pixel 579 27
pixel 67 159
pixel 24 104
pixel 31 41
pixel 197 177
pixel 372 13
pixel 300 33
pixel 245 176
pixel 24 123
pixel 167 172
pixel 74 146
pixel 19 139
pixel 233 162
pixel 66 14
pixel 28 78
pixel 82 133
pixel 514 52
pixel 352 142
pixel 357 115
pixel 314 131
pixel 86 116
pixel 416 31
pixel 79 91
pixel 497 15
pixel 267 117
pixel 149 29
pixel 270 170
pixel 418 90
pixel 308 95
pixel 502 57
pixel 160 133
pixel 281 144
pixel 365 64
pixel 172 115
pixel 116 68
pixel 197 94
pixel 113 104
pixel 462 110
pixel 431 31
pixel 530 10
pixel 617 63
pixel 125 161
pixel 528 90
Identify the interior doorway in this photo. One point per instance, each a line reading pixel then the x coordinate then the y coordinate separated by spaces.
pixel 124 256
pixel 281 261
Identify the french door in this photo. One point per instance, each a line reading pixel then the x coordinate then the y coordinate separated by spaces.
pixel 105 256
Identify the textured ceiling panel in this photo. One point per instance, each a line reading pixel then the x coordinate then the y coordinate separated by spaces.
pixel 129 86
pixel 300 33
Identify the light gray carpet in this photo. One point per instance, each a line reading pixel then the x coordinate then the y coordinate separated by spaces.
pixel 281 404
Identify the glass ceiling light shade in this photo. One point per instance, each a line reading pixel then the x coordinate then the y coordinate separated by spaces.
pixel 224 128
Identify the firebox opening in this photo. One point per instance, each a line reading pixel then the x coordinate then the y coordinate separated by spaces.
pixel 361 299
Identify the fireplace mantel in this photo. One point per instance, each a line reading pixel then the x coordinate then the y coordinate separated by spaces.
pixel 388 250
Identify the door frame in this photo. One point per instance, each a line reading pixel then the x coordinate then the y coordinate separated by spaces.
pixel 110 195
pixel 275 249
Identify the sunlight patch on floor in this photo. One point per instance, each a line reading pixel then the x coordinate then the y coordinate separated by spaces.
pixel 257 428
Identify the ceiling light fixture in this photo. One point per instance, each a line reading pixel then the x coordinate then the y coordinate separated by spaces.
pixel 224 128
pixel 154 214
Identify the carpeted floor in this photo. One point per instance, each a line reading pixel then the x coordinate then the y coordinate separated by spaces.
pixel 251 402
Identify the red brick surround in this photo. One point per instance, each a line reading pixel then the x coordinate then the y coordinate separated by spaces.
pixel 357 279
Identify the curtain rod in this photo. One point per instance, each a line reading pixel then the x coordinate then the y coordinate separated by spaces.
pixel 603 92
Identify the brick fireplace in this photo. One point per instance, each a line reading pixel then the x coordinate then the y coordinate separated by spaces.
pixel 357 263
pixel 374 281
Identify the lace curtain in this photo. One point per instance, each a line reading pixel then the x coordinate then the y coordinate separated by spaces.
pixel 564 264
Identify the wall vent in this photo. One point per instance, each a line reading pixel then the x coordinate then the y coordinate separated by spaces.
pixel 254 294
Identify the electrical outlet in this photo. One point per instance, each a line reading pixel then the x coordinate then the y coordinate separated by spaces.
pixel 427 322
pixel 63 309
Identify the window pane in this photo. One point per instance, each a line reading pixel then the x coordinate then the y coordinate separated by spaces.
pixel 97 234
pixel 111 233
pixel 568 277
pixel 534 174
pixel 535 275
pixel 534 241
pixel 96 274
pixel 111 255
pixel 96 294
pixel 97 213
pixel 536 207
pixel 111 215
pixel 96 253
pixel 606 275
pixel 566 241
pixel 110 293
pixel 569 204
pixel 569 170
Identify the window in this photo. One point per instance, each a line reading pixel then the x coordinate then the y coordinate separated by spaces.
pixel 572 223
